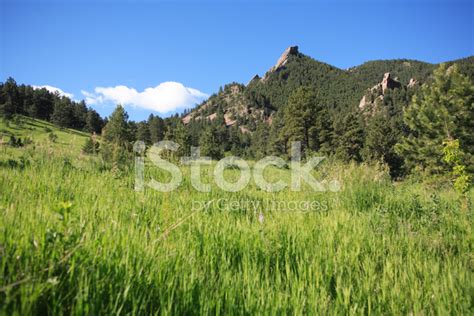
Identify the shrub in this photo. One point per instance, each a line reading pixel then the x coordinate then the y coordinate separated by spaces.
pixel 91 146
pixel 52 137
pixel 15 142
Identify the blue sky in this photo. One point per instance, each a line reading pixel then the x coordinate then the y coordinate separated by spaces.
pixel 163 56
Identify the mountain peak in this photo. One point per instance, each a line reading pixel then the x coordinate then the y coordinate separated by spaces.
pixel 292 50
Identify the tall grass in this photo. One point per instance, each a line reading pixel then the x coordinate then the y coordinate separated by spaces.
pixel 77 239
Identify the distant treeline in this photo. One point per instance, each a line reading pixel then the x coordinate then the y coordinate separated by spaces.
pixel 45 105
pixel 406 129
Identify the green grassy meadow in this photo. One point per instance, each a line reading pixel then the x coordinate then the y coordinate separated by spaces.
pixel 75 238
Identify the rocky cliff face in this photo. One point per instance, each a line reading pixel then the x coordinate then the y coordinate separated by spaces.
pixel 375 95
pixel 234 104
pixel 389 83
pixel 283 60
pixel 292 50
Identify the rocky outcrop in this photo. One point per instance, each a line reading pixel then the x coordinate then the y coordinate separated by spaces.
pixel 292 50
pixel 374 96
pixel 188 118
pixel 212 116
pixel 389 83
pixel 413 82
pixel 228 120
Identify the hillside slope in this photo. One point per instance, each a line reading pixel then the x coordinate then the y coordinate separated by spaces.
pixel 68 140
pixel 340 90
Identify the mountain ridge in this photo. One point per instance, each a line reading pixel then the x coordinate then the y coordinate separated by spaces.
pixel 340 89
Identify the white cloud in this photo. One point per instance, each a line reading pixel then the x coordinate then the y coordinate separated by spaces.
pixel 54 90
pixel 165 97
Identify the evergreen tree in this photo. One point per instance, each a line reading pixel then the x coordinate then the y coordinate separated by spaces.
pixel 179 134
pixel 94 123
pixel 349 137
pixel 259 141
pixel 277 140
pixel 236 141
pixel 143 132
pixel 222 131
pixel 209 143
pixel 9 99
pixel 381 134
pixel 299 117
pixel 444 110
pixel 43 104
pixel 79 114
pixel 157 128
pixel 117 129
pixel 91 146
pixel 323 142
pixel 63 114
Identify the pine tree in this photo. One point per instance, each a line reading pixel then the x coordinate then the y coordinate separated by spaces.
pixel 299 118
pixel 323 142
pixel 259 141
pixel 444 110
pixel 117 130
pixel 349 137
pixel 277 140
pixel 179 134
pixel 63 114
pixel 80 114
pixel 10 99
pixel 91 146
pixel 209 143
pixel 94 123
pixel 381 134
pixel 143 132
pixel 157 128
pixel 43 104
pixel 222 131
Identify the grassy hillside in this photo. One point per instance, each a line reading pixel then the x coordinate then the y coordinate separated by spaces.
pixel 76 238
pixel 68 141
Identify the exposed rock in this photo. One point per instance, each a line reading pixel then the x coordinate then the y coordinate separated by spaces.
pixel 363 102
pixel 228 120
pixel 270 119
pixel 413 82
pixel 292 50
pixel 212 116
pixel 187 118
pixel 375 95
pixel 389 83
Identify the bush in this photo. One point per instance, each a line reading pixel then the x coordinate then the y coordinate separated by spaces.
pixel 52 137
pixel 91 146
pixel 15 142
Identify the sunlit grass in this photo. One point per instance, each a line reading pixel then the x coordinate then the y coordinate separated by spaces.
pixel 76 238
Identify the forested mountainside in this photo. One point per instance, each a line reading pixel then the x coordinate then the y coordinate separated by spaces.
pixel 355 114
pixel 338 89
